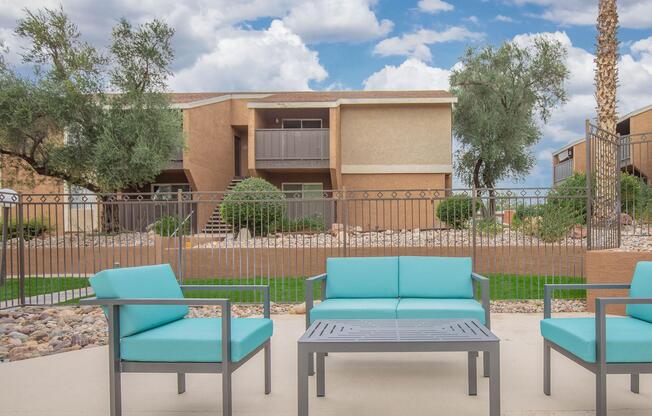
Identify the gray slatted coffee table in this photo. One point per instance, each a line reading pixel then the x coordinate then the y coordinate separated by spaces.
pixel 398 335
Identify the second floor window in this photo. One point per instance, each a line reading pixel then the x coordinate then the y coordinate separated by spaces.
pixel 302 123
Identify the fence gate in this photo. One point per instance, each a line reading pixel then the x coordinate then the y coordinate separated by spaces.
pixel 603 188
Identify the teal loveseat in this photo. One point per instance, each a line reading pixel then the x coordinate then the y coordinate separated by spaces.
pixel 604 345
pixel 405 287
pixel 150 333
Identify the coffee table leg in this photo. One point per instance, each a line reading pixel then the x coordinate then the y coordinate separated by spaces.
pixel 302 381
pixel 494 381
pixel 321 374
pixel 473 373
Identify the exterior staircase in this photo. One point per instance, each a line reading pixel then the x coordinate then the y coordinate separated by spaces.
pixel 215 224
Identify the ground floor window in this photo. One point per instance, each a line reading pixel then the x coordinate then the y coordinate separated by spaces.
pixel 303 190
pixel 166 191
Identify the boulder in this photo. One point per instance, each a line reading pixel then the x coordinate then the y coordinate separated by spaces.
pixel 244 235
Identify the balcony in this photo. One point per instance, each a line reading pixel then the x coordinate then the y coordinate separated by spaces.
pixel 292 149
pixel 563 170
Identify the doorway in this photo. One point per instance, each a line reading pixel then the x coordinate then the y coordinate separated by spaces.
pixel 237 155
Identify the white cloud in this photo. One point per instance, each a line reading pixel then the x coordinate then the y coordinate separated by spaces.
pixel 635 14
pixel 416 44
pixel 337 21
pixel 412 74
pixel 473 19
pixel 503 18
pixel 434 6
pixel 271 59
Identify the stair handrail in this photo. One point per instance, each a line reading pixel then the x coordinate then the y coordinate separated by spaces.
pixel 174 233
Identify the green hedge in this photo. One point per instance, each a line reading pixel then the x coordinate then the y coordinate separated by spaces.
pixel 167 225
pixel 31 229
pixel 456 210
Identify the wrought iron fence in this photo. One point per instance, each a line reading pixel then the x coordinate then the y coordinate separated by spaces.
pixel 635 192
pixel 520 238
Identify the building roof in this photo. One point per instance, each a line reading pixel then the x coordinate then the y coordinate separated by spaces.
pixel 320 98
pixel 635 113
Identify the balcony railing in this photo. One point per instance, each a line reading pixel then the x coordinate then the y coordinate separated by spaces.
pixel 292 148
pixel 563 170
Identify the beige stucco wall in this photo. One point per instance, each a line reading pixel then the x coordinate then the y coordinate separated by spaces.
pixel 396 139
pixel 579 157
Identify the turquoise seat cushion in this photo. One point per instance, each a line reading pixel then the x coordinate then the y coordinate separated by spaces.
pixel 419 308
pixel 641 288
pixel 435 277
pixel 628 339
pixel 362 277
pixel 381 308
pixel 156 281
pixel 196 340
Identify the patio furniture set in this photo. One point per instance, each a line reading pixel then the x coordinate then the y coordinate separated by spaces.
pixel 372 304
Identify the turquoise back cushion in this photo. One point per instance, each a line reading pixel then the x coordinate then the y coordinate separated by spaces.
pixel 435 277
pixel 156 281
pixel 362 277
pixel 641 288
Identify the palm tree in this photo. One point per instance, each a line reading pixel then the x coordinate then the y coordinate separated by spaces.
pixel 606 81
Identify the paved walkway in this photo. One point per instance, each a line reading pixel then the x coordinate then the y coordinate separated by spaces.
pixel 75 383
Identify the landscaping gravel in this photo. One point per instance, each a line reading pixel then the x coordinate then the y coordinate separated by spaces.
pixel 32 331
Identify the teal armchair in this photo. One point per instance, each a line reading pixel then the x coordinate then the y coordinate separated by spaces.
pixel 604 345
pixel 149 331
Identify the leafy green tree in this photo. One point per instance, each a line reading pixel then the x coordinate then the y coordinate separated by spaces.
pixel 59 119
pixel 503 95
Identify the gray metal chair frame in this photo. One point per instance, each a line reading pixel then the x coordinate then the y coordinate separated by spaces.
pixel 117 366
pixel 480 284
pixel 600 368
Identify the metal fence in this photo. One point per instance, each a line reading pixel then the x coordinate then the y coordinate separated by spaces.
pixel 520 238
pixel 635 193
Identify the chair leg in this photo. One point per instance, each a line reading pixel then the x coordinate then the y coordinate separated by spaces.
pixel 181 383
pixel 115 390
pixel 227 406
pixel 268 367
pixel 546 368
pixel 634 383
pixel 601 394
pixel 311 364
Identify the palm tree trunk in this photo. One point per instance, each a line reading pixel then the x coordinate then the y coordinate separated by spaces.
pixel 606 81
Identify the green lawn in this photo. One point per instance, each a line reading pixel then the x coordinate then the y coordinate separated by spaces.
pixel 290 289
pixel 41 285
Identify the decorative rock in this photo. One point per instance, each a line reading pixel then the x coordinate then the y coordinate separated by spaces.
pixel 39 335
pixel 299 309
pixel 578 232
pixel 244 235
pixel 625 219
pixel 18 335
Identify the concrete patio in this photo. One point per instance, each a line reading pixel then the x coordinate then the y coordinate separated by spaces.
pixel 76 383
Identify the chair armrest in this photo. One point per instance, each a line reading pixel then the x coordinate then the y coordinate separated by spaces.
pixel 309 293
pixel 113 316
pixel 234 288
pixel 155 301
pixel 601 322
pixel 548 289
pixel 483 282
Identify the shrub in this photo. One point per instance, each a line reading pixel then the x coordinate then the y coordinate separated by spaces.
pixel 489 226
pixel 569 197
pixel 255 204
pixel 634 195
pixel 456 210
pixel 31 229
pixel 309 223
pixel 167 225
pixel 527 211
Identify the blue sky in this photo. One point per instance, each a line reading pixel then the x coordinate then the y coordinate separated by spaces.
pixel 246 45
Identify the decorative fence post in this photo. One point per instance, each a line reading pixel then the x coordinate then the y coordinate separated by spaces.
pixel 345 223
pixel 21 252
pixel 179 231
pixel 589 190
pixel 474 211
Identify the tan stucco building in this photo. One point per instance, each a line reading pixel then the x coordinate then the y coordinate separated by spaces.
pixel 635 157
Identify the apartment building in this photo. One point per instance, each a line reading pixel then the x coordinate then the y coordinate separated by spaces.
pixel 306 142
pixel 635 155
